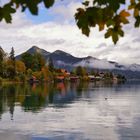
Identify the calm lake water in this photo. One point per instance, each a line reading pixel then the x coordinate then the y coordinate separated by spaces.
pixel 70 111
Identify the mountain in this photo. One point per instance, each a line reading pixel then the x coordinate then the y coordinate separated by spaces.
pixel 104 64
pixel 35 49
pixel 65 60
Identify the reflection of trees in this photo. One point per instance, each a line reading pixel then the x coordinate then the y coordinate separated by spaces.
pixel 80 87
pixel 33 102
pixel 11 95
pixel 7 100
pixel 35 97
pixel 52 91
pixel 2 102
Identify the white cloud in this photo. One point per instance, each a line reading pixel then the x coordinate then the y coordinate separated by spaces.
pixel 65 11
pixel 23 34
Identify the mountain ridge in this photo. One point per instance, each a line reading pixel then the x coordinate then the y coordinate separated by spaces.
pixel 67 61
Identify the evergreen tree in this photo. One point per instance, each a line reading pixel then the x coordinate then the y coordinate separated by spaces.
pixel 33 61
pixel 27 58
pixel 50 65
pixel 12 54
pixel 12 67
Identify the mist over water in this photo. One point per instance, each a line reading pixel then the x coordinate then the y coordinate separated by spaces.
pixel 70 111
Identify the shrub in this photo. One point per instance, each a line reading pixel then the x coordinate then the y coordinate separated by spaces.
pixel 17 79
pixel 1 79
pixel 22 77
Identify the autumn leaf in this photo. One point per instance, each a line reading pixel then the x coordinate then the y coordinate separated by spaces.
pixel 124 13
pixel 101 26
pixel 136 12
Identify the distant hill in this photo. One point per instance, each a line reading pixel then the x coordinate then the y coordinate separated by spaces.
pixel 65 60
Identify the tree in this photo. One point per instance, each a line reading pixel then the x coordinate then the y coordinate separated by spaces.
pixel 33 61
pixel 2 54
pixel 10 69
pixel 80 71
pixel 12 54
pixel 50 64
pixel 109 14
pixel 39 61
pixel 108 75
pixel 47 75
pixel 12 64
pixel 29 73
pixel 27 58
pixel 11 6
pixel 20 67
pixel 112 14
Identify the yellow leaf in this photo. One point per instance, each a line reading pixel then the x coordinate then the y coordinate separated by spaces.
pixel 136 12
pixel 130 7
pixel 101 26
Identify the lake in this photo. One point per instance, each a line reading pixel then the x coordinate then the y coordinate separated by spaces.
pixel 70 111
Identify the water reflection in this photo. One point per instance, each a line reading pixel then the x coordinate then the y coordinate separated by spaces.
pixel 36 97
pixel 81 110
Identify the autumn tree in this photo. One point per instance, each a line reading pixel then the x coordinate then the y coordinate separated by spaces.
pixel 20 67
pixel 111 15
pixel 47 75
pixel 29 73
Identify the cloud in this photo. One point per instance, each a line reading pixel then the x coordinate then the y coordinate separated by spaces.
pixel 54 35
pixel 65 11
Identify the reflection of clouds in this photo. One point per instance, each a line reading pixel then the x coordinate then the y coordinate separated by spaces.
pixel 12 136
pixel 123 109
pixel 129 133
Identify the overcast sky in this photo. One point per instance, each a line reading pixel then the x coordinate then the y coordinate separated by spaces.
pixel 55 29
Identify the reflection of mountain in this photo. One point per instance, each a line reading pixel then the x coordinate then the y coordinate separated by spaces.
pixel 65 60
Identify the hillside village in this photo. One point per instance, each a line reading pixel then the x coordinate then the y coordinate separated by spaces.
pixel 32 67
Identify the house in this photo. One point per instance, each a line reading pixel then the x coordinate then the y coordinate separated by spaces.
pixel 91 77
pixel 60 78
pixel 98 77
pixel 101 74
pixel 65 72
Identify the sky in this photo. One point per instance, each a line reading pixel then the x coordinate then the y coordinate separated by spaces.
pixel 55 29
